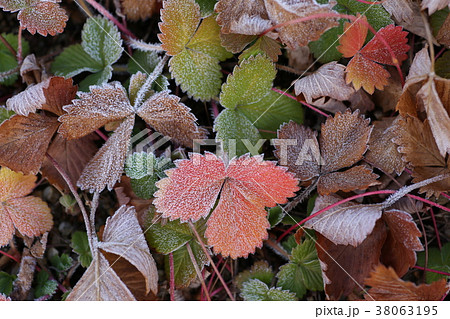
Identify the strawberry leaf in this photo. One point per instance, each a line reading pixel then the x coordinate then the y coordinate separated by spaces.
pixel 7 60
pixel 437 260
pixel 256 290
pixel 80 245
pixel 260 270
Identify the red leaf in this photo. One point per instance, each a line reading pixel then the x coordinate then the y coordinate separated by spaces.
pixel 238 224
pixel 353 37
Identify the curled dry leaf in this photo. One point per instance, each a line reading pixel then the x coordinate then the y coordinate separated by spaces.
pixel 383 152
pixel 387 286
pixel 422 155
pixel 246 185
pixel 122 236
pixel 342 144
pixel 402 242
pixel 28 214
pixel 345 267
pixel 299 34
pixel 434 5
pixel 109 103
pixel 29 100
pixel 347 224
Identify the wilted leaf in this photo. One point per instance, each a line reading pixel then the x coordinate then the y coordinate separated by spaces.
pixel 342 143
pixel 328 80
pixel 256 290
pixel 299 34
pixel 303 270
pixel 246 185
pixel 387 286
pixel 344 268
pixel 29 100
pixel 28 214
pixel 383 152
pixel 402 242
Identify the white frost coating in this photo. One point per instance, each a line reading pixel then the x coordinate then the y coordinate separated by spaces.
pixel 250 25
pixel 420 67
pixel 29 100
pixel 328 80
pixel 347 224
pixel 124 237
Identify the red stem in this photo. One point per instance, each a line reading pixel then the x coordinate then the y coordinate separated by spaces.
pixel 8 46
pixel 438 238
pixel 172 277
pixel 103 136
pixel 215 292
pixel 108 15
pixel 292 228
pixel 304 103
pixel 432 270
pixel 440 52
pixel 10 256
pixel 445 195
pixel 215 109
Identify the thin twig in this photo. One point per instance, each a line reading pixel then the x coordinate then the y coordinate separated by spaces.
pixel 8 46
pixel 197 270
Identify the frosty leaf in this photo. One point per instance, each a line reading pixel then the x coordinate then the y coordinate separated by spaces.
pixel 158 236
pixel 108 286
pixel 123 236
pixel 44 286
pixel 196 51
pixel 256 290
pixel 419 149
pixel 29 100
pixel 262 45
pixel 402 242
pixel 248 185
pixel 363 69
pixel 249 82
pixel 260 270
pixel 166 114
pixel 376 15
pixel 299 34
pixel 80 245
pixel 74 60
pixel 58 92
pixel 144 62
pixel 437 260
pixel 401 10
pixel 8 61
pixel 138 9
pixel 346 224
pixel 61 263
pixel 106 167
pixel 232 128
pixel 342 143
pixel 242 17
pixel 382 152
pixel 324 49
pixel 139 165
pixel 29 215
pixel 344 268
pixel 387 286
pixel 25 140
pixel 303 270
pixel 328 80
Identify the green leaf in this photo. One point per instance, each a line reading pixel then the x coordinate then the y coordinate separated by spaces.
pixel 271 112
pixel 44 286
pixel 144 187
pixel 256 290
pixel 61 263
pixel 248 83
pixel 80 245
pixel 260 270
pixel 232 129
pixel 101 40
pixel 437 19
pixel 6 283
pixel 262 45
pixel 184 270
pixel 376 15
pixel 289 244
pixel 139 165
pixel 73 61
pixel 67 201
pixel 96 79
pixel 206 7
pixel 5 114
pixel 144 62
pixel 437 260
pixel 275 216
pixel 325 49
pixel 442 66
pixel 303 271
pixel 7 60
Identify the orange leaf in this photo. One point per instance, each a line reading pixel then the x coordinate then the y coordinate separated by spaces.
pixel 366 74
pixel 354 36
pixel 29 215
pixel 238 224
pixel 387 286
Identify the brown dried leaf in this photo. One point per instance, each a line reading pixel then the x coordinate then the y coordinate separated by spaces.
pixel 106 167
pixel 22 284
pixel 166 114
pixel 346 224
pixel 31 70
pixel 58 93
pixel 328 80
pixel 387 286
pixel 234 42
pixel 242 16
pixel 139 9
pixel 28 101
pixel 382 152
pixel 299 34
pixel 357 177
pixel 71 155
pixel 344 268
pixel 104 104
pixel 434 5
pixel 402 242
pixel 416 142
pixel 24 141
